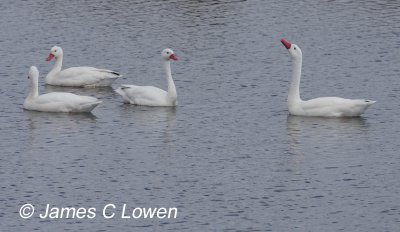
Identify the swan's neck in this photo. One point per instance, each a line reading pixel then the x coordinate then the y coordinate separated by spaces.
pixel 34 90
pixel 57 66
pixel 294 91
pixel 171 84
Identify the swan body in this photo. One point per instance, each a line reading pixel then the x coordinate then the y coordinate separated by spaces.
pixel 330 107
pixel 323 106
pixel 150 95
pixel 77 76
pixel 56 101
pixel 145 95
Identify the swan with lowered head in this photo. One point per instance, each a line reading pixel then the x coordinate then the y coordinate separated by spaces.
pixel 150 95
pixel 77 76
pixel 56 101
pixel 323 106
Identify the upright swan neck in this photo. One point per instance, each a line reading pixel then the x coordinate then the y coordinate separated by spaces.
pixel 294 91
pixel 34 89
pixel 171 84
pixel 57 65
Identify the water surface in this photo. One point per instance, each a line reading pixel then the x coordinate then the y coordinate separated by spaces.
pixel 228 157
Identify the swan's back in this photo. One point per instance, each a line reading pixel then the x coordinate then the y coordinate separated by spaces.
pixel 145 95
pixel 84 76
pixel 62 102
pixel 334 107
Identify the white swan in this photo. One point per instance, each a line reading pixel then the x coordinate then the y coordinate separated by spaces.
pixel 77 76
pixel 323 106
pixel 56 101
pixel 150 95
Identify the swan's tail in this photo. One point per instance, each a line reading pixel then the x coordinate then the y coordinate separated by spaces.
pixel 119 91
pixel 116 74
pixel 123 94
pixel 361 106
pixel 107 77
pixel 111 74
pixel 369 102
pixel 364 102
pixel 87 107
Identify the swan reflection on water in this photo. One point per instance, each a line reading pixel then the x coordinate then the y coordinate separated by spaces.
pixel 312 137
pixel 54 129
pixel 147 115
pixel 38 119
pixel 309 131
pixel 158 123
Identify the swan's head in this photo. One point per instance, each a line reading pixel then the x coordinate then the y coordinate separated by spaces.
pixel 293 49
pixel 55 52
pixel 33 73
pixel 168 54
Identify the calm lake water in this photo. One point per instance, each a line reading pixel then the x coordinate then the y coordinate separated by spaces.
pixel 228 157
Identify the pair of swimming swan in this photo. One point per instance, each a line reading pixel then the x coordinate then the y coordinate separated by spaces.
pixel 152 96
pixel 92 77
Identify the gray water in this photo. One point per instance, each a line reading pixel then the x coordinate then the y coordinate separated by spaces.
pixel 229 157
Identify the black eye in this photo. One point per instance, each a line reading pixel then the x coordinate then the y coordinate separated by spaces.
pixel 167 52
pixel 55 50
pixel 294 48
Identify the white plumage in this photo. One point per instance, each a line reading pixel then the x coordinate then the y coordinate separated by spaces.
pixel 56 101
pixel 77 76
pixel 323 106
pixel 150 95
